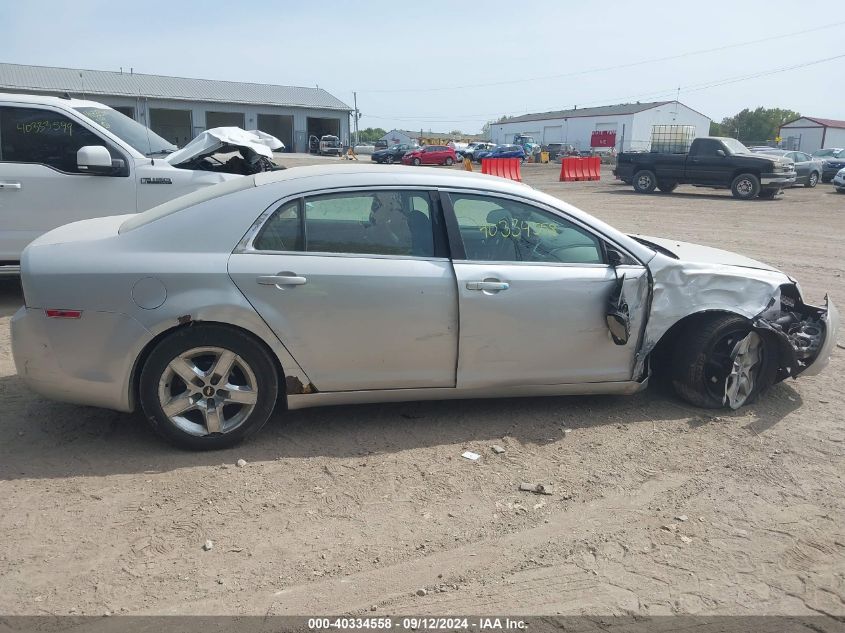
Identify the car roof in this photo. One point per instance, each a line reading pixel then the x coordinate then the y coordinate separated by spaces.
pixel 54 101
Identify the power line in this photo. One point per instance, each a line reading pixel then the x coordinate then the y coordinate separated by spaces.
pixel 605 68
pixel 666 92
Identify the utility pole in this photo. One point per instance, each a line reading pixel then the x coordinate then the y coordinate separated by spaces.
pixel 355 103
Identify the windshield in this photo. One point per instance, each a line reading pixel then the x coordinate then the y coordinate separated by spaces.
pixel 735 146
pixel 138 136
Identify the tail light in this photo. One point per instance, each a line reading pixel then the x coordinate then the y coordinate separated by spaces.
pixel 55 313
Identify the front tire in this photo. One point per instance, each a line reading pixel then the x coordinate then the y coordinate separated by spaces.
pixel 745 187
pixel 708 362
pixel 416 162
pixel 208 387
pixel 813 180
pixel 644 181
pixel 389 160
pixel 448 162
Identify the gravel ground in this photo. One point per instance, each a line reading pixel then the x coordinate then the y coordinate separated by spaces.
pixel 656 507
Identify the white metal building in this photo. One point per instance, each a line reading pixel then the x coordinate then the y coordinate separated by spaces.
pixel 631 123
pixel 178 108
pixel 810 134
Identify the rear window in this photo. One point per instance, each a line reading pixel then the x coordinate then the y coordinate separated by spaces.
pixel 189 200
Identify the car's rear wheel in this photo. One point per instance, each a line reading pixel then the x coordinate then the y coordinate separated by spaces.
pixel 745 187
pixel 208 387
pixel 416 162
pixel 448 162
pixel 813 180
pixel 644 181
pixel 721 361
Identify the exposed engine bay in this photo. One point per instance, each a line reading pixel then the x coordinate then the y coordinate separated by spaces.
pixel 229 150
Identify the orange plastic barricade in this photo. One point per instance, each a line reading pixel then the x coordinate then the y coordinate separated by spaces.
pixel 595 168
pixel 579 169
pixel 567 170
pixel 502 167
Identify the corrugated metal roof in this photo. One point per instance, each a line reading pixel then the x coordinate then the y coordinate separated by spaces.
pixel 823 122
pixel 611 110
pixel 23 78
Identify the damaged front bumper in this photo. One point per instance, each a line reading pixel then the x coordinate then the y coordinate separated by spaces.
pixel 805 335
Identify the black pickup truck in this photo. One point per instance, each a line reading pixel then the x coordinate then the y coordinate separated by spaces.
pixel 715 162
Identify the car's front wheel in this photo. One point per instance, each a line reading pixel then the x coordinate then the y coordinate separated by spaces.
pixel 745 187
pixel 721 361
pixel 416 162
pixel 389 160
pixel 448 162
pixel 208 387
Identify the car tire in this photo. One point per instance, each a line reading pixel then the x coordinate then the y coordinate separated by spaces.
pixel 199 349
pixel 389 160
pixel 448 162
pixel 701 361
pixel 745 187
pixel 644 181
pixel 667 187
pixel 812 180
pixel 416 162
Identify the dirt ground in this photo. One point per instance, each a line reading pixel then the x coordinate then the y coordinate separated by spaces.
pixel 657 507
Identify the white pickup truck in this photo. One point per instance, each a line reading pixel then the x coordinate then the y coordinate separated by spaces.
pixel 63 160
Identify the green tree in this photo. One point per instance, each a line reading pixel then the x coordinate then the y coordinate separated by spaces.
pixel 371 134
pixel 754 126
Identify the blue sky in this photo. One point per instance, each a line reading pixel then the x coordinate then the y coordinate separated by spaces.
pixel 429 65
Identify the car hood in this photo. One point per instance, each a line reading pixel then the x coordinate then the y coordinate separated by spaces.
pixel 689 252
pixel 219 138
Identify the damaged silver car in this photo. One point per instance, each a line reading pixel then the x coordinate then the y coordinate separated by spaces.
pixel 350 284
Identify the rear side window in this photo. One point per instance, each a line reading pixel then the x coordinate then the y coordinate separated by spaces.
pixel 32 135
pixel 385 222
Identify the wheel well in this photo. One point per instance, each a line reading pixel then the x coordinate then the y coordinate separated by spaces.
pixel 661 354
pixel 135 377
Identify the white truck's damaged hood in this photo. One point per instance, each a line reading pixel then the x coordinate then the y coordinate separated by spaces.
pixel 217 138
pixel 689 252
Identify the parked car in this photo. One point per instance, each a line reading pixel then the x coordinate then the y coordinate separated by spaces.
pixel 716 162
pixel 808 169
pixel 503 151
pixel 70 159
pixel 330 145
pixel 839 181
pixel 832 164
pixel 834 152
pixel 406 285
pixel 392 154
pixel 557 150
pixel 430 155
pixel 477 146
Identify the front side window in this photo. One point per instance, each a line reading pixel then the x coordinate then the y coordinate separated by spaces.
pixel 31 135
pixel 503 230
pixel 707 147
pixel 362 222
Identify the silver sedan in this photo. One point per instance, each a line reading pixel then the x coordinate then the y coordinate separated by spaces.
pixel 352 284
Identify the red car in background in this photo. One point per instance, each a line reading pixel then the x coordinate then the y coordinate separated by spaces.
pixel 430 155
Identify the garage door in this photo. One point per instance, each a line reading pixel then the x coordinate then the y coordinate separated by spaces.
pixel 224 119
pixel 174 125
pixel 280 126
pixel 553 134
pixel 318 126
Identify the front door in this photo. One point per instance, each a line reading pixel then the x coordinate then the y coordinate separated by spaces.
pixel 365 297
pixel 41 187
pixel 706 166
pixel 533 292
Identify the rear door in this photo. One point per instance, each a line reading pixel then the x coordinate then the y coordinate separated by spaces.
pixel 533 289
pixel 41 187
pixel 358 286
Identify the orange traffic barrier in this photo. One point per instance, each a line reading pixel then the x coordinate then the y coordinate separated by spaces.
pixel 502 167
pixel 567 170
pixel 579 170
pixel 595 167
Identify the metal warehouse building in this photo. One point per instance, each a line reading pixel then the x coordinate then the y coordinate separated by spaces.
pixel 628 124
pixel 810 134
pixel 179 109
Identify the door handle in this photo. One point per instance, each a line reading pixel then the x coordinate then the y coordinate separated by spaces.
pixel 282 279
pixel 10 185
pixel 487 285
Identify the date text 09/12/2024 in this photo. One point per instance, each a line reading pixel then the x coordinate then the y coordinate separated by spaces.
pixel 418 623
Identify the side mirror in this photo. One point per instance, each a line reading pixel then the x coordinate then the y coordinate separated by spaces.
pixel 720 152
pixel 94 159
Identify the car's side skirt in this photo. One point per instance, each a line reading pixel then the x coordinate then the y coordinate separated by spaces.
pixel 304 401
